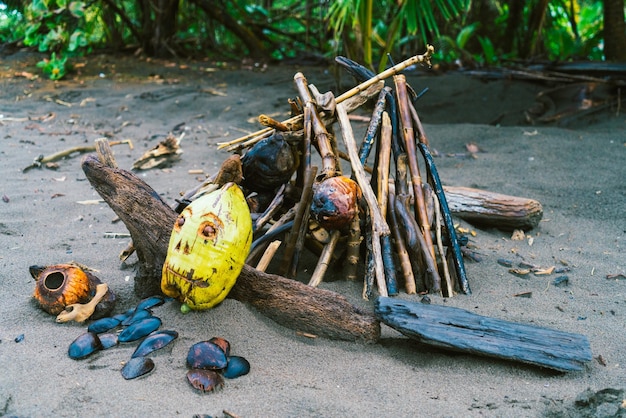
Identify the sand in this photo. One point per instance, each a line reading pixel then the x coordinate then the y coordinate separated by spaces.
pixel 577 172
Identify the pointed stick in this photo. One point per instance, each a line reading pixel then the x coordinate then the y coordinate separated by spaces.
pixel 447 218
pixel 382 186
pixel 324 260
pixel 379 225
pixel 300 221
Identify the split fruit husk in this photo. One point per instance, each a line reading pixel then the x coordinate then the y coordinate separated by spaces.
pixel 60 285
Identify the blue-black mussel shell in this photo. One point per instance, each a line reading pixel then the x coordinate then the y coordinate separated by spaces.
pixel 206 355
pixel 205 380
pixel 103 325
pixel 136 367
pixel 108 340
pixel 85 345
pixel 237 366
pixel 151 302
pixel 155 341
pixel 137 316
pixel 139 329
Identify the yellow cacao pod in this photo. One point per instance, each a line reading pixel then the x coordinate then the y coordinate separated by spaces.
pixel 208 247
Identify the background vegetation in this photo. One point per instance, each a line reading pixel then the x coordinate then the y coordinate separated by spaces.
pixel 469 32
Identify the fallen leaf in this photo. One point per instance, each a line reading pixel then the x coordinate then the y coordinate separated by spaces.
pixel 518 235
pixel 544 272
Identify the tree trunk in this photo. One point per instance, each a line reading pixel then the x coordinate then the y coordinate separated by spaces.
pixel 215 10
pixel 165 12
pixel 614 30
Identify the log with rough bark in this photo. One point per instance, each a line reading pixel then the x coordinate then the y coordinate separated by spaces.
pixel 288 302
pixel 498 210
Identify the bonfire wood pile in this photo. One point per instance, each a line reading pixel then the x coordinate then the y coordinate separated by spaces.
pixel 404 218
pixel 393 208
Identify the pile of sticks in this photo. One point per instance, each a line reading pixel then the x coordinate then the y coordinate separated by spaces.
pixel 404 222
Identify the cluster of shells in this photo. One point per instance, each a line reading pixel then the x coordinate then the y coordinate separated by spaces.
pixel 210 361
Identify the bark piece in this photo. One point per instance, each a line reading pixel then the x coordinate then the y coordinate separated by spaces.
pixel 461 330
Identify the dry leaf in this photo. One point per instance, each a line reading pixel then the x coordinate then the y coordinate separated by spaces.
pixel 472 148
pixel 544 272
pixel 164 154
pixel 518 235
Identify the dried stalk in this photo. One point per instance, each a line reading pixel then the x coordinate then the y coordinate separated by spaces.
pixel 353 248
pixel 301 211
pixel 417 59
pixel 447 217
pixel 372 129
pixel 272 123
pixel 268 255
pixel 285 219
pixel 370 262
pixel 379 225
pixel 322 138
pixel 414 238
pixel 421 134
pixel 442 253
pixel 416 178
pixel 324 260
pixel 382 183
pixel 384 162
pixel 41 160
pixel 401 252
pixel 271 210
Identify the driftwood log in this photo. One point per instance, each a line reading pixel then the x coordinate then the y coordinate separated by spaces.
pixel 484 208
pixel 461 330
pixel 288 302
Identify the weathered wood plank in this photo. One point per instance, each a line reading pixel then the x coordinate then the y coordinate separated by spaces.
pixel 461 330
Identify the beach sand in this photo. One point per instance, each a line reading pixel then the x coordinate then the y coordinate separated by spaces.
pixel 577 172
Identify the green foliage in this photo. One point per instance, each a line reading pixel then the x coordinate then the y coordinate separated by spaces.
pixel 60 27
pixel 390 23
pixel 12 26
pixel 364 30
pixel 55 68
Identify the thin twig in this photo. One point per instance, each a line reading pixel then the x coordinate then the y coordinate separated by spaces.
pixel 268 255
pixel 41 160
pixel 442 252
pixel 324 260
